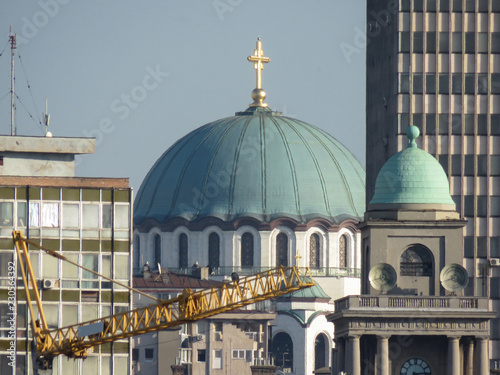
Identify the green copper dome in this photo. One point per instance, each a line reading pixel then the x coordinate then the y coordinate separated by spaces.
pixel 255 164
pixel 412 176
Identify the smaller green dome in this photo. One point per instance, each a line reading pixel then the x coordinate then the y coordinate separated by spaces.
pixel 412 176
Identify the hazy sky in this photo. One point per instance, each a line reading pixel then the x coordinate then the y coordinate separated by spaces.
pixel 138 75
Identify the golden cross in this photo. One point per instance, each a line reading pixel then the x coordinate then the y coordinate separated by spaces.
pixel 297 257
pixel 258 59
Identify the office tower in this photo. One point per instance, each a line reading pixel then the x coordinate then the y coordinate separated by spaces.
pixel 446 53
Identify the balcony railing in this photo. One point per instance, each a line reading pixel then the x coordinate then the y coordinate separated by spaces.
pixel 246 271
pixel 411 302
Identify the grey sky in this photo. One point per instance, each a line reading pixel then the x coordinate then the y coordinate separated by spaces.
pixel 141 74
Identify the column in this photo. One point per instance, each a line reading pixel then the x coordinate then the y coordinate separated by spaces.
pixel 339 356
pixel 453 356
pixel 469 357
pixel 482 367
pixel 382 355
pixel 353 356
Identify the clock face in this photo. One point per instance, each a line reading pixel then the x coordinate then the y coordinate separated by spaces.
pixel 415 366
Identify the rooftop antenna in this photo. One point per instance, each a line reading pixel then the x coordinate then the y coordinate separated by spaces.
pixel 46 119
pixel 12 40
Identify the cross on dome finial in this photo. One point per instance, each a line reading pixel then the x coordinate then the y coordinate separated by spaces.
pixel 258 59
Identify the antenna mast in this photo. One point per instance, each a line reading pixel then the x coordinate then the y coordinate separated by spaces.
pixel 12 39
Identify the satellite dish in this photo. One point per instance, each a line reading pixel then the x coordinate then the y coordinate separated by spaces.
pixel 454 277
pixel 383 277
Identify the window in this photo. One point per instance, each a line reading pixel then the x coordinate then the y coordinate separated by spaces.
pixel 314 251
pixel 50 215
pixel 418 42
pixel 247 250
pixel 404 5
pixel 122 216
pixel 282 250
pixel 444 43
pixel 320 348
pixel 470 5
pixel 482 42
pixel 283 351
pixel 495 83
pixel 107 216
pixel 457 5
pixel 217 363
pixel 431 42
pixel 404 41
pixel 470 43
pixel 470 84
pixel 430 121
pixel 135 355
pixel 430 83
pixel 149 354
pixel 343 261
pixel 444 6
pixel 183 250
pixel 417 83
pixel 444 81
pixel 90 216
pixel 213 251
pixel 456 84
pixel 431 5
pixel 71 216
pixel 157 248
pixel 469 124
pixel 456 42
pixel 416 261
pixel 418 6
pixel 201 355
pixel 482 83
pixel 483 6
pixel 137 255
pixel 404 83
pixel 6 214
pixel 495 39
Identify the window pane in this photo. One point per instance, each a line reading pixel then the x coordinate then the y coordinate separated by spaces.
pixel 404 5
pixel 418 42
pixel 404 41
pixel 483 6
pixel 456 165
pixel 495 39
pixel 107 216
pixel 417 83
pixel 443 124
pixel 106 265
pixel 456 84
pixel 469 84
pixel 470 43
pixel 122 217
pixel 34 214
pixel 90 216
pixel 482 166
pixel 418 5
pixel 21 214
pixel 70 271
pixel 456 42
pixel 5 258
pixel 431 5
pixel 456 124
pixel 444 5
pixel 444 44
pixel 430 124
pixel 404 83
pixel 469 124
pixel 6 214
pixel 482 202
pixel 121 267
pixel 71 216
pixel 444 83
pixel 457 5
pixel 469 165
pixel 482 84
pixel 482 43
pixel 431 42
pixel 90 261
pixel 430 84
pixel 495 83
pixel 50 215
pixel 469 5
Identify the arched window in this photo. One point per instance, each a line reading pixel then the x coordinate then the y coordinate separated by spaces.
pixel 320 352
pixel 183 250
pixel 213 251
pixel 247 250
pixel 157 242
pixel 137 254
pixel 343 253
pixel 282 250
pixel 283 351
pixel 314 251
pixel 417 260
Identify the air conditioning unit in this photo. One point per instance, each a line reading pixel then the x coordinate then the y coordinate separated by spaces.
pixel 48 283
pixel 494 262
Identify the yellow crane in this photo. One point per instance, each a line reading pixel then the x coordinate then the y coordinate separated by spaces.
pixel 77 340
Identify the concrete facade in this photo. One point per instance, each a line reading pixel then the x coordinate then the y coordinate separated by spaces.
pixel 451 51
pixel 89 220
